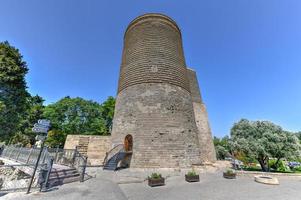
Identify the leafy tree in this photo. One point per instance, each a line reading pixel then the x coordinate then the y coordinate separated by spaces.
pixel 13 94
pixel 108 108
pixel 222 147
pixel 33 114
pixel 55 139
pixel 298 134
pixel 20 139
pixel 76 116
pixel 262 140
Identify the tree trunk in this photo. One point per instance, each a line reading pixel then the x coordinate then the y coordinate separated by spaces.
pixel 263 164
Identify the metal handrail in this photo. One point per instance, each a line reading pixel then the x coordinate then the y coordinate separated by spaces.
pixel 108 156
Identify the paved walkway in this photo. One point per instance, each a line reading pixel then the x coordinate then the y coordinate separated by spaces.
pixel 214 187
pixel 131 185
pixel 94 189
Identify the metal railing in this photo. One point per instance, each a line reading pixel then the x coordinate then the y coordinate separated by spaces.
pixel 49 156
pixel 112 152
pixel 30 155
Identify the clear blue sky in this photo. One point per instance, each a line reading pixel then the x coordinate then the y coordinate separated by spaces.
pixel 247 53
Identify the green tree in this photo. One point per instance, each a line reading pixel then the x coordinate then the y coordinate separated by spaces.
pixel 222 147
pixel 262 140
pixel 55 139
pixel 74 116
pixel 107 112
pixel 13 93
pixel 33 114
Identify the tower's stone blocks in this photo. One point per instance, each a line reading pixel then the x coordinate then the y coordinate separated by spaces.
pixel 201 118
pixel 155 104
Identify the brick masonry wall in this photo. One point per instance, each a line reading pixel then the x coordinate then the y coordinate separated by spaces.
pixel 161 120
pixel 154 103
pixel 97 146
pixel 153 53
pixel 201 117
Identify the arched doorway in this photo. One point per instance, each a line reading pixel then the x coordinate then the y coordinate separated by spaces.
pixel 128 143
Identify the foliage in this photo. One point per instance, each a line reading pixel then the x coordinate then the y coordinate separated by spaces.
pixel 297 169
pixel 78 116
pixel 13 94
pixel 19 111
pixel 221 152
pixel 33 114
pixel 56 139
pixel 20 139
pixel 279 166
pixel 155 176
pixel 191 173
pixel 107 112
pixel 230 171
pixel 298 134
pixel 222 147
pixel 261 140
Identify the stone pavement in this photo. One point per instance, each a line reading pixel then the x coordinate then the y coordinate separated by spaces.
pixel 215 187
pixel 130 184
pixel 95 188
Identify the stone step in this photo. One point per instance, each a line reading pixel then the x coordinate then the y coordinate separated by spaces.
pixel 64 177
pixel 56 182
pixel 63 173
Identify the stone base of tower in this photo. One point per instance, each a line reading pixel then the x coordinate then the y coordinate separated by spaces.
pixel 205 137
pixel 160 119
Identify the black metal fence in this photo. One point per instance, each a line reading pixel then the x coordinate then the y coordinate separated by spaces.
pixel 28 157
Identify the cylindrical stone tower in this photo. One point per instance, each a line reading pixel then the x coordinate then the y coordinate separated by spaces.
pixel 154 104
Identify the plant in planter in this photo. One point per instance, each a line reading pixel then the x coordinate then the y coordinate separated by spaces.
pixel 230 174
pixel 192 176
pixel 156 179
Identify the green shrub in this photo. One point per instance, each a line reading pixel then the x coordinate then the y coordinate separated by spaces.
pixel 191 173
pixel 230 171
pixel 280 166
pixel 298 169
pixel 155 176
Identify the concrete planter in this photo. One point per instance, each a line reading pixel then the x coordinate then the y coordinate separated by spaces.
pixel 156 182
pixel 195 178
pixel 267 180
pixel 229 175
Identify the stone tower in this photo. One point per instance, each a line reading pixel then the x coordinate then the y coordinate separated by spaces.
pixel 155 105
pixel 201 118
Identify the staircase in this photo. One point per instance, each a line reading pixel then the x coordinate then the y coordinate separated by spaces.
pixel 62 176
pixel 112 163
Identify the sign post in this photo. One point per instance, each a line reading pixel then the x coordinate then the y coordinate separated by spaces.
pixel 41 127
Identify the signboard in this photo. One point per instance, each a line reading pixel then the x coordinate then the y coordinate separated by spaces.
pixel 44 122
pixel 40 130
pixel 42 126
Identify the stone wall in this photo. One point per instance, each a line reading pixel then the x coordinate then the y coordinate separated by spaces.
pixel 96 148
pixel 201 118
pixel 161 120
pixel 153 53
pixel 154 103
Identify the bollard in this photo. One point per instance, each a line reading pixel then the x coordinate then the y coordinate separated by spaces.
pixel 56 152
pixel 74 156
pixel 45 184
pixel 29 156
pixel 44 154
pixel 83 171
pixel 20 149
